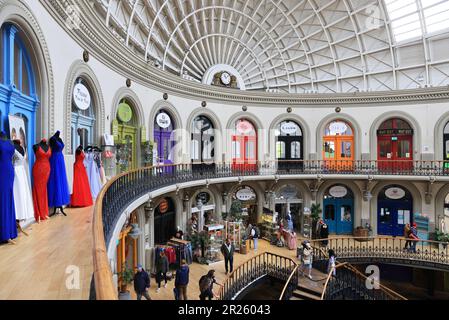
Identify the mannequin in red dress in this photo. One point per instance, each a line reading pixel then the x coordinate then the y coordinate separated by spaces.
pixel 41 173
pixel 81 196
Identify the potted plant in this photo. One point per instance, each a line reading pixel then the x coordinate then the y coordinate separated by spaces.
pixel 126 278
pixel 443 238
pixel 243 248
pixel 235 213
pixel 315 215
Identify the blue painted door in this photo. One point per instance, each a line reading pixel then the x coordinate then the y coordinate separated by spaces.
pixel 392 215
pixel 339 215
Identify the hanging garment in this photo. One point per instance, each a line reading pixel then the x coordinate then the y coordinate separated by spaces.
pixel 22 192
pixel 103 178
pixel 8 228
pixel 81 196
pixel 41 174
pixel 93 174
pixel 58 187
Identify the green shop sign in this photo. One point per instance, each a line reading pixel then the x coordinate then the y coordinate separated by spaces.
pixel 124 112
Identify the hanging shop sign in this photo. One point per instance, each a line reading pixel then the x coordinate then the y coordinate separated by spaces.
pixel 163 206
pixel 163 120
pixel 395 193
pixel 338 128
pixel 288 128
pixel 398 132
pixel 81 97
pixel 245 194
pixel 124 112
pixel 338 191
pixel 244 127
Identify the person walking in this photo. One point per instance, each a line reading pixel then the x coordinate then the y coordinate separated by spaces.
pixel 207 286
pixel 162 268
pixel 182 280
pixel 324 235
pixel 407 232
pixel 228 249
pixel 331 262
pixel 141 283
pixel 414 237
pixel 255 236
pixel 306 259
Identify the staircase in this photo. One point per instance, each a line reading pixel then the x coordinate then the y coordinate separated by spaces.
pixel 310 289
pixel 303 293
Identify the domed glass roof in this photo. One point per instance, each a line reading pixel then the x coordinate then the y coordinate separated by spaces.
pixel 296 46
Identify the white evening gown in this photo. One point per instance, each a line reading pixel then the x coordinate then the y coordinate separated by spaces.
pixel 23 200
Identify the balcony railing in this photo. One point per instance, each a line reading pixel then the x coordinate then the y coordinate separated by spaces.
pixel 264 264
pixel 122 190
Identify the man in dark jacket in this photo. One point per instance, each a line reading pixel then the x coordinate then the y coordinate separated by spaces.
pixel 182 280
pixel 141 283
pixel 228 249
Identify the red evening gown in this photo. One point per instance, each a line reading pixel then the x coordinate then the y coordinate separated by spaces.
pixel 81 196
pixel 41 173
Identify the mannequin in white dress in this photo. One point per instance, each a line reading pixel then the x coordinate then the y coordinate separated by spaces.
pixel 23 200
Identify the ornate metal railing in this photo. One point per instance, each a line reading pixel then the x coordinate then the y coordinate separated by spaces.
pixel 122 190
pixel 290 285
pixel 262 265
pixel 419 253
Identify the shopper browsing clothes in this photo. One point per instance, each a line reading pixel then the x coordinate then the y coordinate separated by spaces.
pixel 207 286
pixel 162 268
pixel 307 258
pixel 141 283
pixel 182 280
pixel 228 249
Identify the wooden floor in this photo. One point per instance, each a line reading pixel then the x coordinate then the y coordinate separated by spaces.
pixel 35 268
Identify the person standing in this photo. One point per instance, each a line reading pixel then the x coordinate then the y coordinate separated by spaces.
pixel 162 268
pixel 182 280
pixel 324 235
pixel 289 221
pixel 407 231
pixel 307 259
pixel 207 286
pixel 228 249
pixel 414 237
pixel 255 236
pixel 331 263
pixel 141 283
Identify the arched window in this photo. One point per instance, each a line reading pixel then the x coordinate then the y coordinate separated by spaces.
pixel 394 210
pixel 125 132
pixel 289 145
pixel 338 145
pixel 203 140
pixel 244 145
pixel 163 137
pixel 83 115
pixel 338 213
pixel 395 145
pixel 446 142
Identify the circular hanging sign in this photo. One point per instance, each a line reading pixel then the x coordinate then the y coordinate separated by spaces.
pixel 338 191
pixel 245 194
pixel 163 206
pixel 81 97
pixel 338 128
pixel 395 193
pixel 289 128
pixel 163 120
pixel 244 127
pixel 124 112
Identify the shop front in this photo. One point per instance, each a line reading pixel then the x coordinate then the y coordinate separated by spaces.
pixel 18 93
pixel 244 203
pixel 395 146
pixel 164 127
pixel 289 146
pixel 289 199
pixel 125 131
pixel 83 115
pixel 446 146
pixel 164 221
pixel 338 146
pixel 338 204
pixel 244 146
pixel 204 209
pixel 394 210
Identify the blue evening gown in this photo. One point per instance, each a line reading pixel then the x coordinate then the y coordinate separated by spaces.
pixel 58 186
pixel 8 228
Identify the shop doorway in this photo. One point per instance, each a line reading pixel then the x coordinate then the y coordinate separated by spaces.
pixel 164 221
pixel 203 144
pixel 289 146
pixel 290 199
pixel 446 147
pixel 164 127
pixel 338 213
pixel 244 146
pixel 394 210
pixel 338 146
pixel 395 146
pixel 125 135
pixel 245 197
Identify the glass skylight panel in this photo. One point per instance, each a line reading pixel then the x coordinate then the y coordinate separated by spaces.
pixel 404 19
pixel 437 17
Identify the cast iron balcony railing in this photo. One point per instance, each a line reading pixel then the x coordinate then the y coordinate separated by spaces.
pixel 262 265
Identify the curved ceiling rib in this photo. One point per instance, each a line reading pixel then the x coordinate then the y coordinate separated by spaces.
pixel 296 46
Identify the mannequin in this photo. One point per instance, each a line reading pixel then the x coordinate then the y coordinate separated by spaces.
pixel 58 187
pixel 41 174
pixel 8 227
pixel 81 196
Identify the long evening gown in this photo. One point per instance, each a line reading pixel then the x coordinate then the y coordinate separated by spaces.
pixel 58 186
pixel 81 196
pixel 8 228
pixel 22 191
pixel 41 173
pixel 94 175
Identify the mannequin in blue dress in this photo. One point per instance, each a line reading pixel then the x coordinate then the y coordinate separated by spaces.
pixel 8 227
pixel 58 186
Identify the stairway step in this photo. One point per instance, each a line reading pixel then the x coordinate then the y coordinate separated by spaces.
pixel 311 290
pixel 305 295
pixel 293 298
